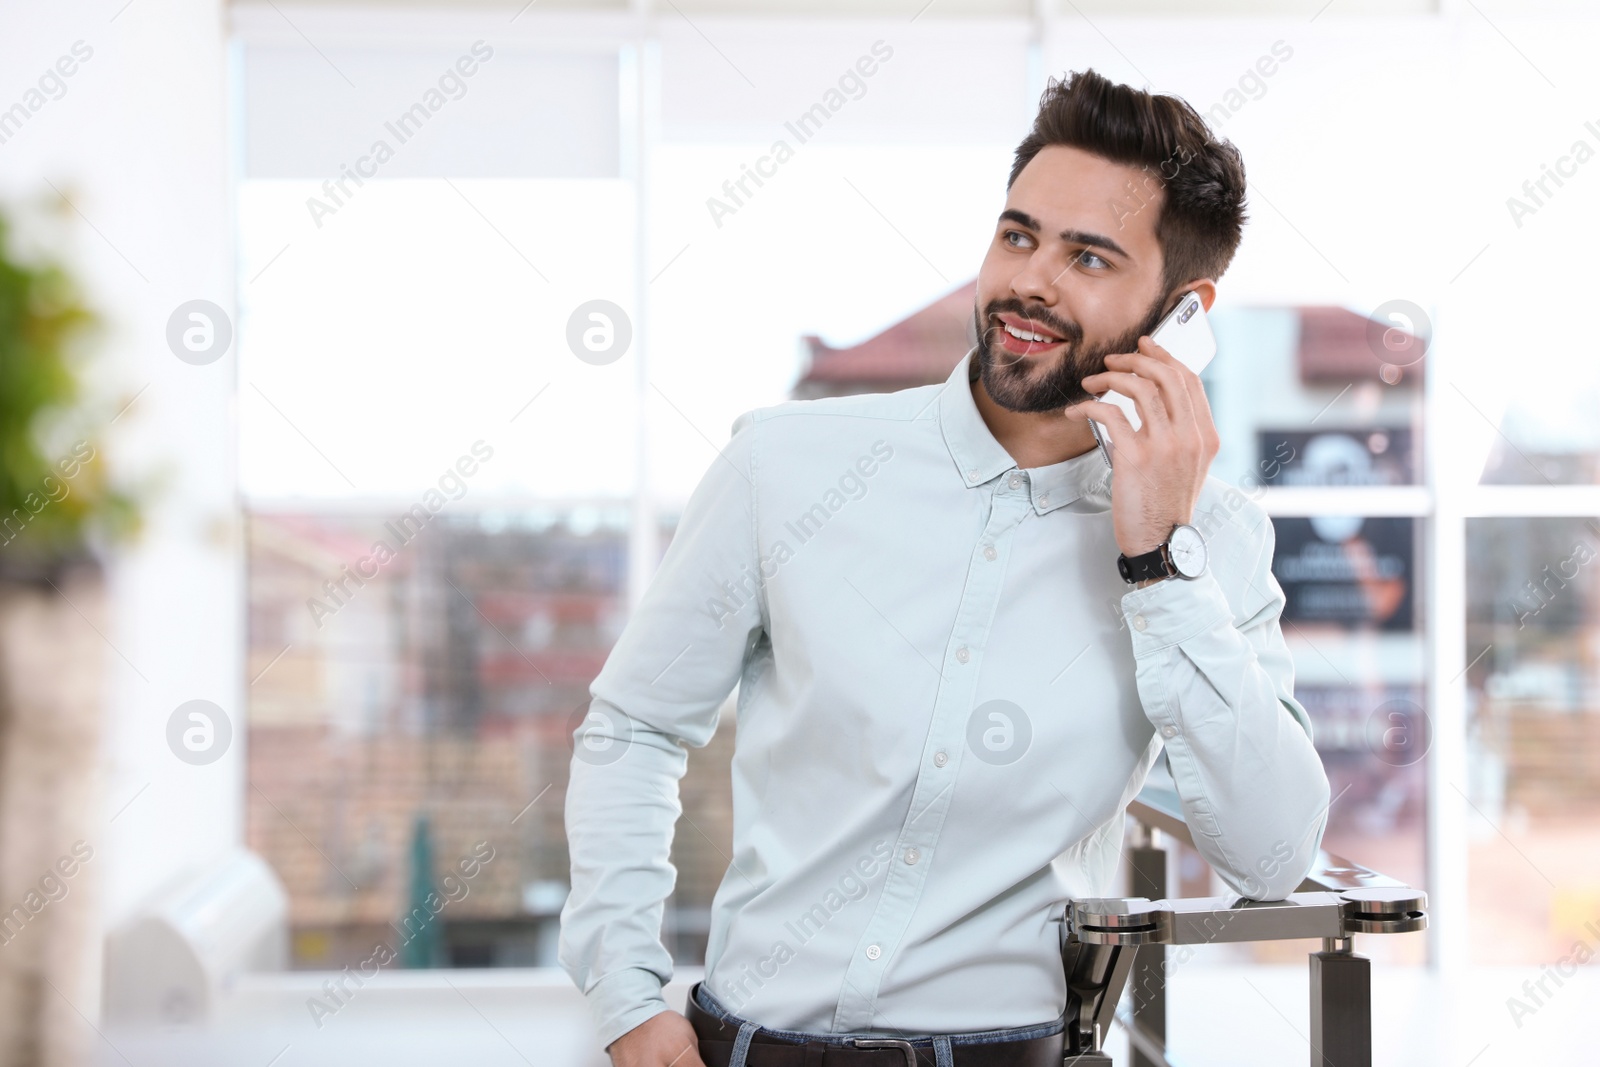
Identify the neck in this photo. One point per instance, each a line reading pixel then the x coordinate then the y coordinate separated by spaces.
pixel 1033 438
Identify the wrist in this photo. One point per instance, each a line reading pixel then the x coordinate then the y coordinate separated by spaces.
pixel 1181 555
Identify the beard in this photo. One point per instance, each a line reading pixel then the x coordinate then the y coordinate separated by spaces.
pixel 1015 384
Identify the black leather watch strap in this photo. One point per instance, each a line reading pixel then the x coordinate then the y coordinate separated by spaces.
pixel 1151 564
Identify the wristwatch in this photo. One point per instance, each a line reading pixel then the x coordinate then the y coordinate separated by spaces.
pixel 1181 555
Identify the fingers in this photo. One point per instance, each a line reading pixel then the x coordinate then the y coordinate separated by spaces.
pixel 1190 404
pixel 1145 393
pixel 1123 436
pixel 1156 363
pixel 1168 395
pixel 1111 417
pixel 666 1039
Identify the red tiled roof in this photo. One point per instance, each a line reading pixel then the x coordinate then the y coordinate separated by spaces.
pixel 1338 345
pixel 917 350
pixel 309 539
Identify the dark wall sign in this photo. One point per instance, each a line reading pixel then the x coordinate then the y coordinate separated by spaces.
pixel 1356 456
pixel 1348 571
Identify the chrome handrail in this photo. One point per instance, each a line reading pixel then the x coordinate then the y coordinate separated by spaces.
pixel 1108 941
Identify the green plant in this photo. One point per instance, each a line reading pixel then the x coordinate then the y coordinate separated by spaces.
pixel 56 496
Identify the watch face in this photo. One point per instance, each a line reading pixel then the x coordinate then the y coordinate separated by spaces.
pixel 1188 551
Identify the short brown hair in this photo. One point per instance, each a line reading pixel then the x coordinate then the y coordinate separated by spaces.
pixel 1202 213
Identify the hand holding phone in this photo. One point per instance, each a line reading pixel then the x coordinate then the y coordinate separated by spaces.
pixel 1186 334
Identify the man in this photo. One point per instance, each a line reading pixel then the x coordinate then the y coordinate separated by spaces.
pixel 940 722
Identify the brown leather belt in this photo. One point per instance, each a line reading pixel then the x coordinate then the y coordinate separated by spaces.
pixel 716 1039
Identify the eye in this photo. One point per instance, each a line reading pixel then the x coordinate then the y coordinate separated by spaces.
pixel 1094 262
pixel 1006 235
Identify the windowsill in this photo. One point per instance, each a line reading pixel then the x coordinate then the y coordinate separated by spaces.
pixel 1420 1017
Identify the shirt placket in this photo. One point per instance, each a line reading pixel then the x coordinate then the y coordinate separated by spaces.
pixel 946 742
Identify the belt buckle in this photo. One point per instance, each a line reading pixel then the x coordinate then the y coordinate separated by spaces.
pixel 888 1042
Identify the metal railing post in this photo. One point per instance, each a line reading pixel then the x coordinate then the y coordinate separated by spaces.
pixel 1147 877
pixel 1341 1006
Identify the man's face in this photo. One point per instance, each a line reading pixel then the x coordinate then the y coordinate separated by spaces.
pixel 1074 257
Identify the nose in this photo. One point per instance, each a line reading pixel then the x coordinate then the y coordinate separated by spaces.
pixel 1038 281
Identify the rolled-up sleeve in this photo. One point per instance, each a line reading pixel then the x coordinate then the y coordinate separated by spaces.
pixel 1216 679
pixel 677 659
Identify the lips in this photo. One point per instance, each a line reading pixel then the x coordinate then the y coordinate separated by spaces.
pixel 1023 346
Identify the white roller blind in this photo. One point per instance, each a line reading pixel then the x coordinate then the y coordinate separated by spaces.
pixel 521 112
pixel 930 83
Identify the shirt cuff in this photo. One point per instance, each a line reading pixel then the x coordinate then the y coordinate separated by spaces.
pixel 621 1001
pixel 1172 611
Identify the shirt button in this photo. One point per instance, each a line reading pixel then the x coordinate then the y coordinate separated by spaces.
pixel 972 474
pixel 1014 481
pixel 940 759
pixel 1139 623
pixel 912 855
pixel 1044 500
pixel 1168 731
pixel 873 952
pixel 988 552
pixel 963 656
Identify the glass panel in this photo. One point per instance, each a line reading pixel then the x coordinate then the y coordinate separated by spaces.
pixel 421 637
pixel 1532 306
pixel 1317 397
pixel 1553 439
pixel 421 711
pixel 1354 625
pixel 851 241
pixel 1314 396
pixel 425 316
pixel 1533 736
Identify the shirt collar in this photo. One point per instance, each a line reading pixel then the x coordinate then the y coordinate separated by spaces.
pixel 979 458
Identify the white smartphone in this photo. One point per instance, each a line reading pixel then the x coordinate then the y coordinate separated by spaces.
pixel 1186 334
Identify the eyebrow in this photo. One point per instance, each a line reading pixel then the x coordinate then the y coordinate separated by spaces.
pixel 1081 237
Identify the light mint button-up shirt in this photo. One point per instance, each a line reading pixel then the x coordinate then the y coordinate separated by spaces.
pixel 946 698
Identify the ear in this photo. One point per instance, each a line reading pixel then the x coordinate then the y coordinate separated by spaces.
pixel 1204 288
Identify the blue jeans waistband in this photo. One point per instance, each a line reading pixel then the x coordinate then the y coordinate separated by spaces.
pixel 708 1001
